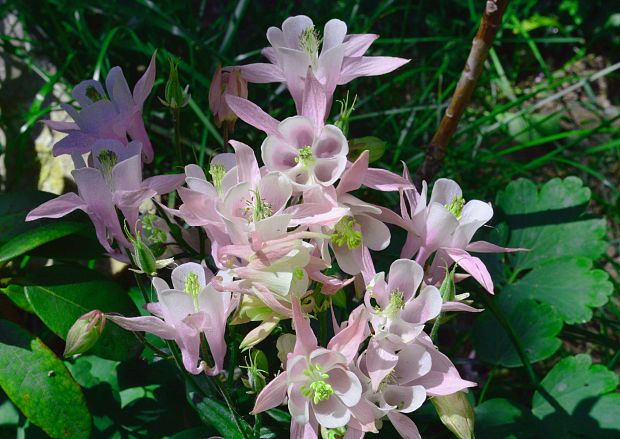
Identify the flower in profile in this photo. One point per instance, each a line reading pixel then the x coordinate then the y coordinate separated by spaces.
pixel 320 387
pixel 226 81
pixel 114 113
pixel 334 57
pixel 114 181
pixel 191 307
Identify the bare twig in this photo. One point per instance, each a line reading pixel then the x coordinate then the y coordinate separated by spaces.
pixel 436 149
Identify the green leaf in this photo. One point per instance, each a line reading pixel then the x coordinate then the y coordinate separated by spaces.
pixel 13 210
pixel 280 415
pixel 501 418
pixel 61 294
pixel 34 238
pixel 40 385
pixel 549 223
pixel 536 325
pixel 586 393
pixel 18 296
pixel 569 285
pixel 220 418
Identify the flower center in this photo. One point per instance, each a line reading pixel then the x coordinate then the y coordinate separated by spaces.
pixel 257 209
pixel 396 304
pixel 309 42
pixel 107 160
pixel 305 157
pixel 318 390
pixel 217 172
pixel 455 207
pixel 345 233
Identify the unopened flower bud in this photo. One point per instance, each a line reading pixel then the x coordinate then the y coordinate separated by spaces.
pixel 84 333
pixel 456 413
pixel 374 145
pixel 143 256
pixel 175 96
pixel 226 82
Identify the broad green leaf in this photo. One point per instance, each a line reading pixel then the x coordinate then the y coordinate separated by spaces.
pixel 549 223
pixel 536 325
pixel 18 296
pixel 569 285
pixel 40 384
pixel 33 238
pixel 501 418
pixel 586 393
pixel 13 210
pixel 61 294
pixel 220 418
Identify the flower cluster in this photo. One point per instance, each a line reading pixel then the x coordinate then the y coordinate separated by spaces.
pixel 277 233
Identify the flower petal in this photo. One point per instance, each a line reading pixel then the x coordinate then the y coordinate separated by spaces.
pixel 272 395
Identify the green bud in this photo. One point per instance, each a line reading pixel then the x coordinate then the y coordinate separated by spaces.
pixel 456 413
pixel 374 146
pixel 257 367
pixel 84 333
pixel 175 96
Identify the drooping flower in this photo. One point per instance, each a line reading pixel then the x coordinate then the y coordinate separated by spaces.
pixel 114 181
pixel 226 81
pixel 335 58
pixel 190 308
pixel 114 113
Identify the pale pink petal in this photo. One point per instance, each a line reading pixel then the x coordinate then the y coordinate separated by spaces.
pixel 354 67
pixel 75 141
pixel 278 154
pixel 348 340
pixel 247 167
pixel 414 361
pixel 444 191
pixel 352 177
pixel 333 33
pixel 118 90
pixel 180 274
pixel 404 425
pixel 487 247
pixel 150 324
pixel 80 91
pixel 176 306
pixel 424 307
pixel 276 189
pixel 272 395
pixel 293 27
pixel 144 85
pixel 346 386
pixel 357 44
pixel 261 73
pixel 376 235
pixel 379 362
pixel 314 101
pixel 63 127
pixel 328 170
pixel 384 180
pixel 459 306
pixel 405 276
pixel 252 114
pixel 405 398
pixel 164 184
pixel 472 265
pixel 305 341
pixel 58 207
pixel 331 413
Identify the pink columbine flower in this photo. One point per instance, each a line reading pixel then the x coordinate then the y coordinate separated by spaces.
pixel 321 388
pixel 184 312
pixel 114 181
pixel 114 113
pixel 399 315
pixel 446 225
pixel 226 81
pixel 335 58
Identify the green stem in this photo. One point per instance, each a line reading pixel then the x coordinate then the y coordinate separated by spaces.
pixel 176 120
pixel 257 426
pixel 435 328
pixel 487 384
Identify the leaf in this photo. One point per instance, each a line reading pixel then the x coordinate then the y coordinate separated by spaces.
pixel 34 238
pixel 536 325
pixel 40 385
pixel 549 222
pixel 14 207
pixel 569 285
pixel 585 392
pixel 18 296
pixel 220 418
pixel 60 294
pixel 501 418
pixel 280 415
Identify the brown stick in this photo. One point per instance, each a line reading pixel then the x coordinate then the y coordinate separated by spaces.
pixel 436 149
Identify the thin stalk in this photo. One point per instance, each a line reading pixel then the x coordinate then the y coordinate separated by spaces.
pixel 483 41
pixel 176 121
